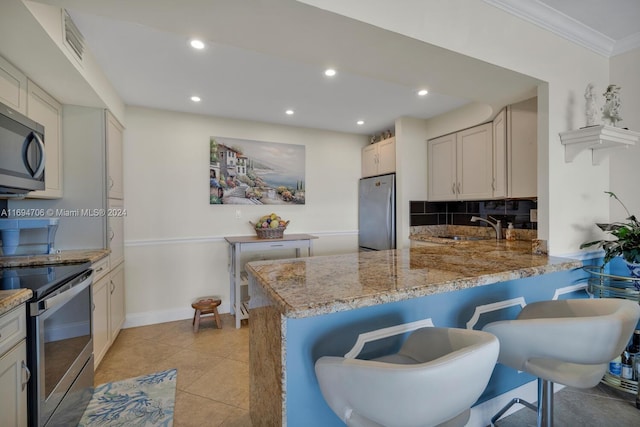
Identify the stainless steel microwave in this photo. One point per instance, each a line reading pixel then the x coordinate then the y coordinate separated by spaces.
pixel 22 154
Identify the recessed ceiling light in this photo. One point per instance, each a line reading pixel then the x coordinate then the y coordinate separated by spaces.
pixel 197 44
pixel 360 122
pixel 195 98
pixel 289 112
pixel 329 72
pixel 423 92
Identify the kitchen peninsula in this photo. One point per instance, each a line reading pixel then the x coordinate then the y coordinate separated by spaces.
pixel 305 308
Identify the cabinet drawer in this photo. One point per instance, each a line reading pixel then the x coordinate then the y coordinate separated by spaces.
pixel 278 244
pixel 13 328
pixel 100 268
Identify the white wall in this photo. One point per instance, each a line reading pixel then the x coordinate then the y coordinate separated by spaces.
pixel 571 191
pixel 63 85
pixel 625 172
pixel 411 177
pixel 174 248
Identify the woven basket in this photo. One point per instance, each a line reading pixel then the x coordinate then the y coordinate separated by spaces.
pixel 269 233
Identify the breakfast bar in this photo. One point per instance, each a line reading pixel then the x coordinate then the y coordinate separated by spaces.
pixel 306 308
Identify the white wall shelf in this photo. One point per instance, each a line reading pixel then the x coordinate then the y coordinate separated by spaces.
pixel 597 139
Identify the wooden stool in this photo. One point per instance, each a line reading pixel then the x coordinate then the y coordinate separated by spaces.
pixel 206 305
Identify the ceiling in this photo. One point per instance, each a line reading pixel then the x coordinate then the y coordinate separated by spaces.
pixel 263 57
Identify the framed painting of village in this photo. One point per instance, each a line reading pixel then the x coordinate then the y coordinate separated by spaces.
pixel 247 172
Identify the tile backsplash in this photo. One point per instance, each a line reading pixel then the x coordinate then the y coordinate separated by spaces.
pixel 460 213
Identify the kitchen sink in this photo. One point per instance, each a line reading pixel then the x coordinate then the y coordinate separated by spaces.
pixel 462 237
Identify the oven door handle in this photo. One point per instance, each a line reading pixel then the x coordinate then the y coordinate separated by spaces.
pixel 73 288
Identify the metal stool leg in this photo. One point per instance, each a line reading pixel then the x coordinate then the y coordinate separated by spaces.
pixel 513 401
pixel 545 403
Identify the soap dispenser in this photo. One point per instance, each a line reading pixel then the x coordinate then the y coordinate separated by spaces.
pixel 510 233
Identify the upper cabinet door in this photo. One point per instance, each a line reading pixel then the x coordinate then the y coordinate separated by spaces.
pixel 13 87
pixel 369 160
pixel 441 162
pixel 387 156
pixel 45 110
pixel 115 186
pixel 475 163
pixel 379 158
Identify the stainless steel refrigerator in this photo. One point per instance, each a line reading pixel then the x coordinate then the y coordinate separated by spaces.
pixel 377 213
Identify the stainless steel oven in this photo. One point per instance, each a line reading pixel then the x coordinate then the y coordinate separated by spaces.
pixel 59 340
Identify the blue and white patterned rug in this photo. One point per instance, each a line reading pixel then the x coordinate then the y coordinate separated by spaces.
pixel 142 401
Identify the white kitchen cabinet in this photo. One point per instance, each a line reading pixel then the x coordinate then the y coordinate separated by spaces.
pixel 379 158
pixel 442 174
pixel 115 230
pixel 116 301
pixel 13 87
pixel 109 307
pixel 114 136
pixel 522 149
pixel 44 109
pixel 101 333
pixel 14 374
pixel 461 165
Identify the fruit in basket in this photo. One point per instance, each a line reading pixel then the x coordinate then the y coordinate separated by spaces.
pixel 271 221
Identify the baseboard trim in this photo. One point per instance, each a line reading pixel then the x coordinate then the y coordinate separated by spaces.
pixel 134 320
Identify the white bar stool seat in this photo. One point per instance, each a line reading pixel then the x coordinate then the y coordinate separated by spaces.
pixel 433 380
pixel 569 342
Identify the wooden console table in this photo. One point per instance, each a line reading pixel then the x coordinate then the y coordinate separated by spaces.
pixel 239 244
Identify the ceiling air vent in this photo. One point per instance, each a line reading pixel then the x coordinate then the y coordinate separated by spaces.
pixel 72 36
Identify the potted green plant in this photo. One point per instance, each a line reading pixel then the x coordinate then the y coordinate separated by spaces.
pixel 626 244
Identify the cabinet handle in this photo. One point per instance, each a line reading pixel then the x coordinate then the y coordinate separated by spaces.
pixel 27 372
pixel 458 187
pixel 493 184
pixel 112 234
pixel 113 287
pixel 110 183
pixel 453 188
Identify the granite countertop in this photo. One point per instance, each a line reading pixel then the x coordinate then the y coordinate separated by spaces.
pixel 62 257
pixel 12 298
pixel 305 287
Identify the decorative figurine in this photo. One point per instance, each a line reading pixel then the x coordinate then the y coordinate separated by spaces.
pixel 591 110
pixel 611 109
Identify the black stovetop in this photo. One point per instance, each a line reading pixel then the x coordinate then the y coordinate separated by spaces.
pixel 40 279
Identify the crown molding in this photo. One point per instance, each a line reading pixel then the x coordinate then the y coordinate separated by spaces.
pixel 626 44
pixel 560 24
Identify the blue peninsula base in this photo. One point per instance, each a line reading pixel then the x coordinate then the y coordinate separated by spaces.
pixel 283 350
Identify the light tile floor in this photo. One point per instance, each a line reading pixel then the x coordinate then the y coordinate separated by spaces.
pixel 213 368
pixel 601 406
pixel 213 378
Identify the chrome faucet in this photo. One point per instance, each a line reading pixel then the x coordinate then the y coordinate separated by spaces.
pixel 496 226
